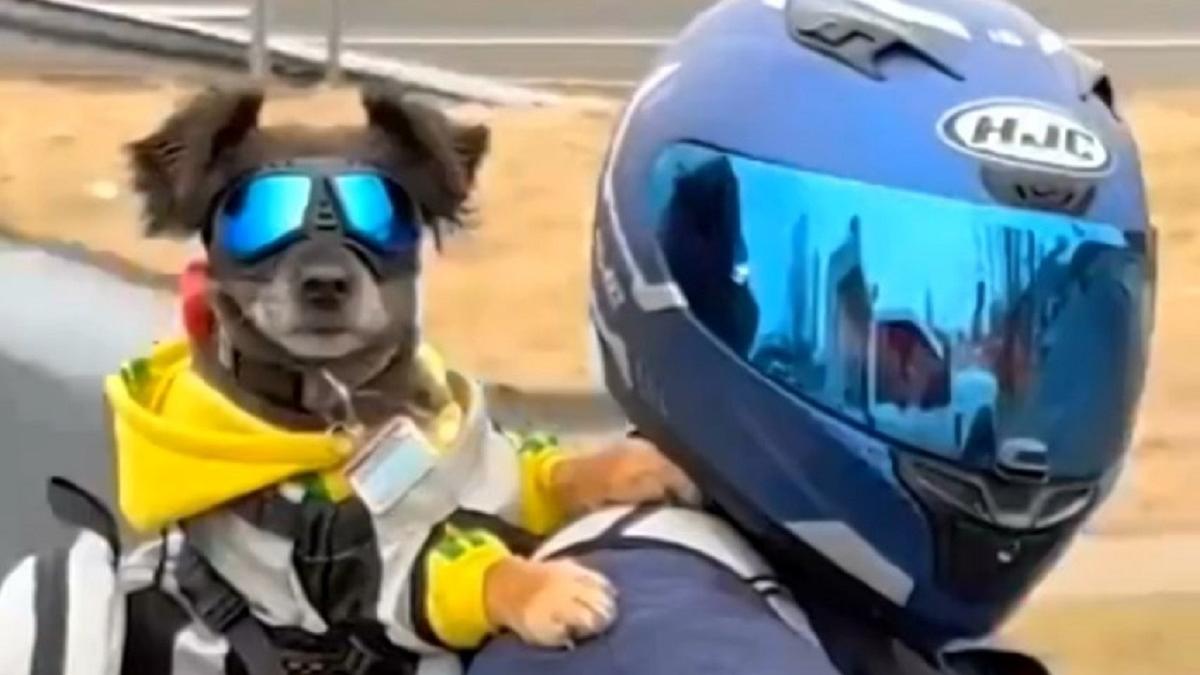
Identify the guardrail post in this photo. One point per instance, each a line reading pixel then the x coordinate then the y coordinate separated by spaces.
pixel 333 63
pixel 260 55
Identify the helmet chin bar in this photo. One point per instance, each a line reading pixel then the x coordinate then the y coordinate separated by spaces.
pixel 994 527
pixel 1013 503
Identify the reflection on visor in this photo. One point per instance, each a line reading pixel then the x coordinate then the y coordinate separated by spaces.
pixel 268 211
pixel 262 214
pixel 378 216
pixel 946 325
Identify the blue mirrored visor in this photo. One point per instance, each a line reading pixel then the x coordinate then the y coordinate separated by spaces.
pixel 948 326
pixel 267 212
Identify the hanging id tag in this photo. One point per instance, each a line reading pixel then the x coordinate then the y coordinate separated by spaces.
pixel 390 464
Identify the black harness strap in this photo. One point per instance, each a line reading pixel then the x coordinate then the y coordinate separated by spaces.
pixel 272 651
pixel 271 511
pixel 153 620
pixel 73 506
pixel 226 613
pixel 77 507
pixel 51 597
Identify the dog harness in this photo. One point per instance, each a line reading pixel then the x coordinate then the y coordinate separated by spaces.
pixel 264 575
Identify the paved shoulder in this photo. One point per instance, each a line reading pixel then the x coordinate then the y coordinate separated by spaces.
pixel 64 326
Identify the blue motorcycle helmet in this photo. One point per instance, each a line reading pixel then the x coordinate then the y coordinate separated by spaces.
pixel 879 274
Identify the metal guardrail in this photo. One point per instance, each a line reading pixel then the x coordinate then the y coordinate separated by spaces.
pixel 259 51
pixel 76 22
pixel 333 62
pixel 260 20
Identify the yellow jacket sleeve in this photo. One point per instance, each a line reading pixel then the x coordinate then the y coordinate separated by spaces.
pixel 458 559
pixel 455 568
pixel 541 510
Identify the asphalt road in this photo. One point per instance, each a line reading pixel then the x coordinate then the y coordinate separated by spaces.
pixel 63 327
pixel 612 42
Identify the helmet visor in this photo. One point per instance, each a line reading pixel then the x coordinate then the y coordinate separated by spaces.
pixel 950 326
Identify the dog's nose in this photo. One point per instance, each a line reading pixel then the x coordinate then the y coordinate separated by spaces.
pixel 324 286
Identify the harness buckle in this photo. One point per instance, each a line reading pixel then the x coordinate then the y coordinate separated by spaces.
pixel 353 658
pixel 359 659
pixel 217 605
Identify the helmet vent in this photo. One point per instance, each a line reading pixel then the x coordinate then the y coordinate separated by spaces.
pixel 997 499
pixel 1094 81
pixel 863 39
pixel 1103 90
pixel 1039 190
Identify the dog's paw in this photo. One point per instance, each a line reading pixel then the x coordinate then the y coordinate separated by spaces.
pixel 550 604
pixel 630 471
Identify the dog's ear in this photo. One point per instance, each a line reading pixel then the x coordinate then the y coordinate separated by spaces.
pixel 172 167
pixel 438 158
pixel 471 142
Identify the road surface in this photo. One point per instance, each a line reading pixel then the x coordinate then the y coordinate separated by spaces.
pixel 65 325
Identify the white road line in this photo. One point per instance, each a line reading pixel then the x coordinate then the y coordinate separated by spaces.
pixel 576 83
pixel 497 41
pixel 655 41
pixel 189 12
pixel 1131 42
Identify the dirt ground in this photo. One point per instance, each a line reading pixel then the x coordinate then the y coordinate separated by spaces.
pixel 1130 636
pixel 506 300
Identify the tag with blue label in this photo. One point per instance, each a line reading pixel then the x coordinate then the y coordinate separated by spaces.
pixel 390 465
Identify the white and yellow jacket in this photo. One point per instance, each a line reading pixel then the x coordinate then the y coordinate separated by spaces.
pixel 270 512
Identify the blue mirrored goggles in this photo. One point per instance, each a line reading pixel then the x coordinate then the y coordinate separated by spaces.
pixel 946 325
pixel 268 211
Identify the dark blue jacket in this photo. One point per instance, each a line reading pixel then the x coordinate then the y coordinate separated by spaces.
pixel 689 612
pixel 677 613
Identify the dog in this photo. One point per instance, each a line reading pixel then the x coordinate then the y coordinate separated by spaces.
pixel 315 333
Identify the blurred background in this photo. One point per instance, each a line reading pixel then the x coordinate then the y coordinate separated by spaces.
pixel 607 44
pixel 80 290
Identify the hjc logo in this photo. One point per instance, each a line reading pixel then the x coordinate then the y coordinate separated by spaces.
pixel 1006 131
pixel 1025 134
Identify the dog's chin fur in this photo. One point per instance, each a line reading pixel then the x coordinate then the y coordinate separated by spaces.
pixel 274 310
pixel 321 346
